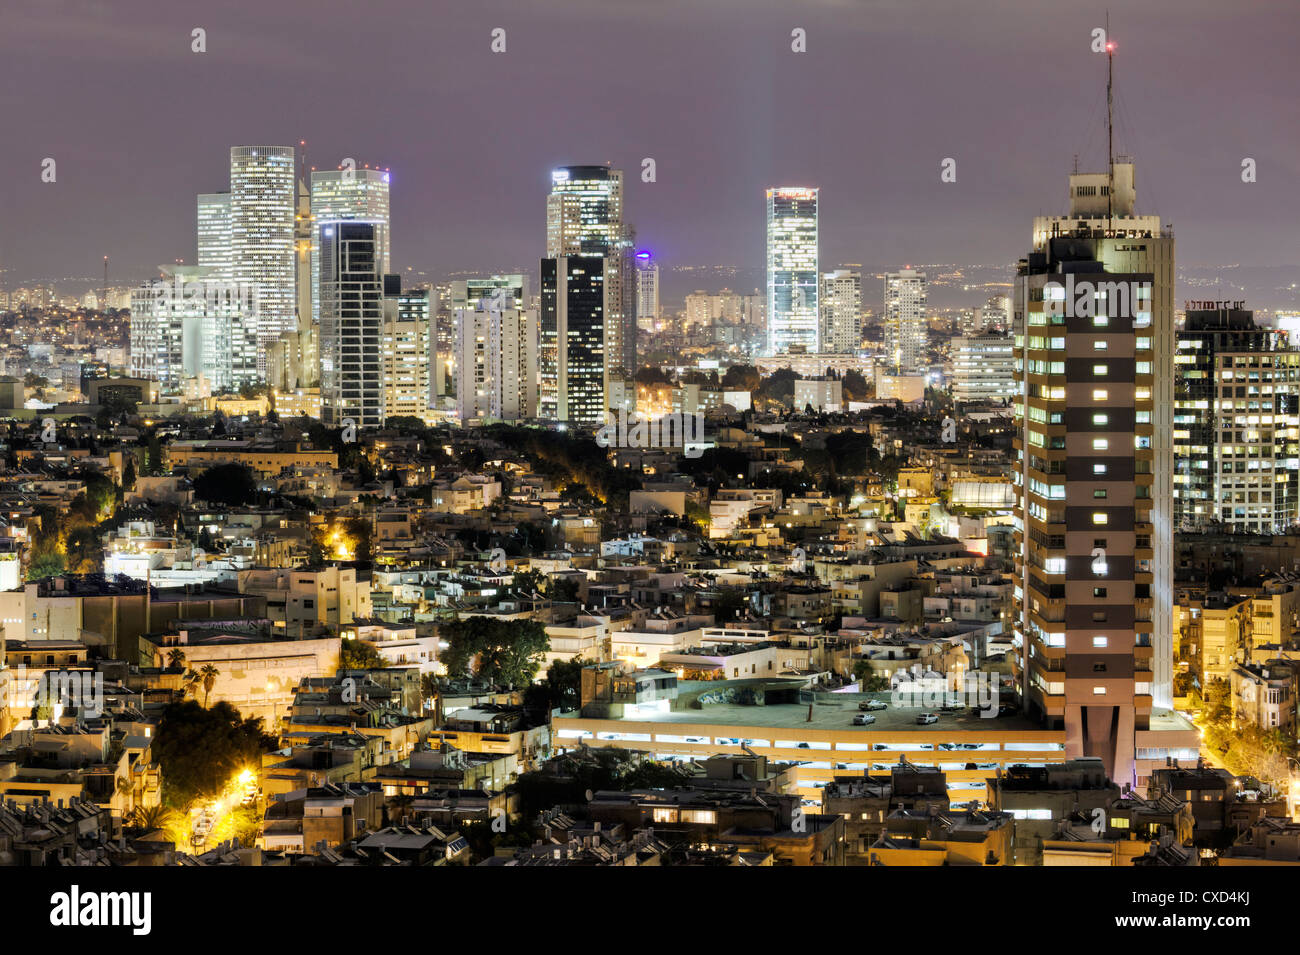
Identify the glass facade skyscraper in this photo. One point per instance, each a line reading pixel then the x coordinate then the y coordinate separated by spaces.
pixel 793 316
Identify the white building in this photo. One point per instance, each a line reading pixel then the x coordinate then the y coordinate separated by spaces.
pixel 983 368
pixel 406 350
pixel 905 330
pixel 496 363
pixel 841 305
pixel 822 394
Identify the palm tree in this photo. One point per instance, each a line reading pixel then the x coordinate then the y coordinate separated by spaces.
pixel 125 787
pixel 176 659
pixel 153 817
pixel 190 682
pixel 209 674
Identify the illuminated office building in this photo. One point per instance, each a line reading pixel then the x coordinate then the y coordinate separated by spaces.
pixel 262 256
pixel 793 318
pixel 1236 426
pixel 348 194
pixel 584 217
pixel 352 320
pixel 572 339
pixel 405 343
pixel 647 291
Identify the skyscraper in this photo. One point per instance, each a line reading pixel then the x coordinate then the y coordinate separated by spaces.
pixel 352 318
pixel 496 361
pixel 647 291
pixel 1093 335
pixel 348 194
pixel 841 307
pixel 1236 422
pixel 572 341
pixel 905 330
pixel 406 350
pixel 793 320
pixel 262 258
pixel 584 216
pixel 214 234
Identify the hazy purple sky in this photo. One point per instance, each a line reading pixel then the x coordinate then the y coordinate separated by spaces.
pixel 709 88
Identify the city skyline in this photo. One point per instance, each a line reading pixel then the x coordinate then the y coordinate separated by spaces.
pixel 884 205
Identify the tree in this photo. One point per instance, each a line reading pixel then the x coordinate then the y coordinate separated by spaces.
pixel 200 750
pixel 209 673
pixel 358 655
pixel 503 653
pixel 230 484
pixel 741 378
pixel 128 473
pixel 176 659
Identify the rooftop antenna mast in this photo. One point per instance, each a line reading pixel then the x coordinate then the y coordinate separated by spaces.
pixel 105 290
pixel 1110 128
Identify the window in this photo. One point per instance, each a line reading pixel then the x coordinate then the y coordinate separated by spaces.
pixel 1099 517
pixel 1098 668
pixel 1100 394
pixel 702 816
pixel 1099 493
pixel 1099 591
pixel 1100 444
pixel 1100 641
pixel 664 815
pixel 1099 469
pixel 1099 345
pixel 1099 690
pixel 1101 419
pixel 1100 371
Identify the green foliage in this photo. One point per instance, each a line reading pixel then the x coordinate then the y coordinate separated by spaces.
pixel 601 768
pixel 506 653
pixel 200 750
pixel 356 655
pixel 229 484
pixel 742 378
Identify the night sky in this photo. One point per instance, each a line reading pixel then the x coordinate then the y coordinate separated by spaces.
pixel 709 88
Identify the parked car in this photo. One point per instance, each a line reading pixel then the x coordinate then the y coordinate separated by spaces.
pixel 871 706
pixel 925 719
pixel 863 719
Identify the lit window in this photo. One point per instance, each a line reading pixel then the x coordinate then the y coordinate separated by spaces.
pixel 1100 641
pixel 1099 469
pixel 1099 517
pixel 1100 444
pixel 1100 370
pixel 1098 691
pixel 1100 394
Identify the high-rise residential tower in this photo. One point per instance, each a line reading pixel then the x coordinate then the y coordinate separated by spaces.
pixel 406 350
pixel 1093 324
pixel 496 360
pixel 262 257
pixel 905 329
pixel 352 319
pixel 841 307
pixel 793 319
